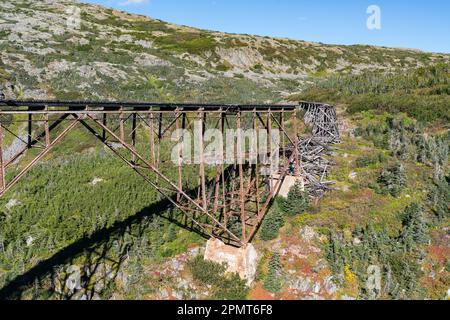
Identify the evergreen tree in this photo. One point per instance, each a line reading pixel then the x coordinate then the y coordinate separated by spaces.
pixel 273 282
pixel 415 229
pixel 393 179
pixel 171 233
pixel 297 201
pixel 439 198
pixel 399 255
pixel 422 150
pixel 272 223
pixel 335 254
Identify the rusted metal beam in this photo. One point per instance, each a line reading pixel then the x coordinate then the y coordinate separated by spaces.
pixel 47 130
pixel 133 133
pixel 240 159
pixel 105 123
pixel 2 164
pixel 180 156
pixel 152 140
pixel 202 163
pixel 145 177
pixel 92 107
pixel 222 169
pixel 296 151
pixel 257 173
pixel 269 151
pixel 30 130
pixel 122 125
pixel 269 200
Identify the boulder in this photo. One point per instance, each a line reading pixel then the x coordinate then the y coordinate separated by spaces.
pixel 308 234
pixel 353 175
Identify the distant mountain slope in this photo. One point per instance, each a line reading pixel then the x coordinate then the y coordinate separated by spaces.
pixel 116 55
pixel 423 93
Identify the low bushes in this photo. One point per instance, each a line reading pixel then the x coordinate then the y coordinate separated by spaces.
pixel 211 274
pixel 397 256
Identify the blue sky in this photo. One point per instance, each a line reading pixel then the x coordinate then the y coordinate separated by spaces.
pixel 415 24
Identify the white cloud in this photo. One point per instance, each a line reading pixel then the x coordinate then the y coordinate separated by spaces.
pixel 129 2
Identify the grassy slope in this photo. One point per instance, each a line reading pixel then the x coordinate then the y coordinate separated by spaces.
pixel 423 93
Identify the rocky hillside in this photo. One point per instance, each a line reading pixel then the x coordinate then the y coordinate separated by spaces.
pixel 116 55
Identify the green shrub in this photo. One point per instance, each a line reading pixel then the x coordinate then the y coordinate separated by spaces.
pixel 207 272
pixel 231 288
pixel 258 68
pixel 4 76
pixel 187 42
pixel 370 160
pixel 224 67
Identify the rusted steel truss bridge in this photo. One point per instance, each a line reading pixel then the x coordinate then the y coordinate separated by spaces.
pixel 229 201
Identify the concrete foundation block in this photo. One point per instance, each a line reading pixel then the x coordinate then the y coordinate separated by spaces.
pixel 287 184
pixel 242 261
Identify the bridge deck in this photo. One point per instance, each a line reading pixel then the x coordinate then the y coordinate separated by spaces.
pixel 13 106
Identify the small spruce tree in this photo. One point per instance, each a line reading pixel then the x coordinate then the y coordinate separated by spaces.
pixel 439 198
pixel 415 229
pixel 273 282
pixel 297 201
pixel 393 180
pixel 272 223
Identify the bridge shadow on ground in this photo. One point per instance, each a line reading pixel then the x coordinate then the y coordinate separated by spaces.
pixel 95 250
pixel 48 279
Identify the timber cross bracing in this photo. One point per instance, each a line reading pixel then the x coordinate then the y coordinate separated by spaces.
pixel 228 201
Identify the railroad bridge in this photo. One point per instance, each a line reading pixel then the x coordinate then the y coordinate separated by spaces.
pixel 230 199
